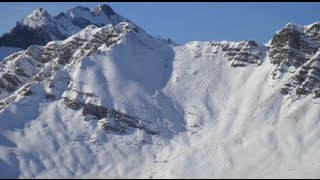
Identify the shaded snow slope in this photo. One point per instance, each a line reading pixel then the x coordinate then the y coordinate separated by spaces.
pixel 115 102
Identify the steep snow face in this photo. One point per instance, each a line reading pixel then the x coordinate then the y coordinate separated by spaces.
pixel 40 27
pixel 115 102
pixel 239 124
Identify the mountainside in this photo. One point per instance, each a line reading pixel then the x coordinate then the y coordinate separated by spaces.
pixel 110 100
pixel 40 27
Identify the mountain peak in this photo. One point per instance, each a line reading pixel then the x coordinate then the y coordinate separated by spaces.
pixel 39 12
pixel 37 18
pixel 295 27
pixel 78 10
pixel 106 9
pixel 42 27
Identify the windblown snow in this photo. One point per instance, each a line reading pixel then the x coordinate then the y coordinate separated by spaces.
pixel 115 102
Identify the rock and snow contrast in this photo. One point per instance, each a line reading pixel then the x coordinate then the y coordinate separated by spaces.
pixel 107 100
pixel 39 27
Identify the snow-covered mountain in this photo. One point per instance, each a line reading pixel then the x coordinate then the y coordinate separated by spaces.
pixel 39 27
pixel 113 101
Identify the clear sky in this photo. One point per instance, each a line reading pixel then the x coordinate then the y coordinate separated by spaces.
pixel 188 21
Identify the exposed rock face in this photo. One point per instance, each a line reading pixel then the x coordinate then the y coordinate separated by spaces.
pixel 292 46
pixel 244 53
pixel 114 121
pixel 313 32
pixel 11 80
pixel 294 50
pixel 105 9
pixel 240 54
pixel 306 80
pixel 40 27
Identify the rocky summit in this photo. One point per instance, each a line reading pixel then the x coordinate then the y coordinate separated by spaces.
pixel 40 27
pixel 294 50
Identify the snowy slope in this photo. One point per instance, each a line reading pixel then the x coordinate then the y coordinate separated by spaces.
pixel 114 102
pixel 99 72
pixel 245 127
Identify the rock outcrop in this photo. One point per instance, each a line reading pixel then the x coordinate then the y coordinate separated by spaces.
pixel 294 50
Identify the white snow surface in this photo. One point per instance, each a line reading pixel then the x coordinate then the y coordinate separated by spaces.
pixel 215 121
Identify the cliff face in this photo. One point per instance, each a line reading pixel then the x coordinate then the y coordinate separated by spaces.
pixel 294 50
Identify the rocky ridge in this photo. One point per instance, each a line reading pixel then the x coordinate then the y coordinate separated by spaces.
pixel 40 27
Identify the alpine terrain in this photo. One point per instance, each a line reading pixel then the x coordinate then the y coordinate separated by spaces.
pixel 89 94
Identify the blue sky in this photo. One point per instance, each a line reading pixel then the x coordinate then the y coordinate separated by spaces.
pixel 183 22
